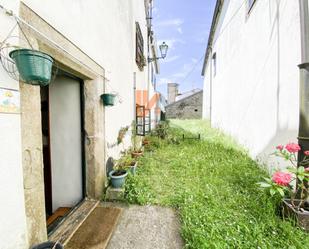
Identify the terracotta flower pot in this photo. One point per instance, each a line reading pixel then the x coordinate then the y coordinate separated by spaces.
pixel 146 142
pixel 136 154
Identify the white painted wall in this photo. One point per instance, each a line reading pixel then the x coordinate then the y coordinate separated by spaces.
pixel 12 209
pixel 254 95
pixel 105 30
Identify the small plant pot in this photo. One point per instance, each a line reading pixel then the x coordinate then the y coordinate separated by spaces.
pixel 118 178
pixel 146 142
pixel 301 217
pixel 47 245
pixel 136 154
pixel 108 99
pixel 34 67
pixel 133 167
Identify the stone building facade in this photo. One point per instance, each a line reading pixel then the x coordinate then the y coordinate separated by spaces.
pixel 189 107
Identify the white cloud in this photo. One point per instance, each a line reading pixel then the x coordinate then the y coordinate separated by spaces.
pixel 175 23
pixel 171 42
pixel 164 81
pixel 179 29
pixel 179 76
pixel 170 59
pixel 170 22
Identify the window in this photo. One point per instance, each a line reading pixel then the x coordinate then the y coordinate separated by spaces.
pixel 139 49
pixel 214 64
pixel 143 120
pixel 250 3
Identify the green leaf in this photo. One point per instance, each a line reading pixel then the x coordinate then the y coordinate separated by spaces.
pixel 272 192
pixel 292 170
pixel 281 192
pixel 264 184
pixel 301 169
pixel 267 180
pixel 300 177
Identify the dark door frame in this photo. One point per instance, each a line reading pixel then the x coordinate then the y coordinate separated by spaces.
pixel 48 166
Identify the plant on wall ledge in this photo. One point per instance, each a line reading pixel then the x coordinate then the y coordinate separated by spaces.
pixel 291 184
pixel 142 63
pixel 121 134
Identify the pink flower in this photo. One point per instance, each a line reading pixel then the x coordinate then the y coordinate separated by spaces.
pixel 292 147
pixel 306 153
pixel 282 178
pixel 279 147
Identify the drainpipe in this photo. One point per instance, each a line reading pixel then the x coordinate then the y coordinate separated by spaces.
pixel 134 96
pixel 303 131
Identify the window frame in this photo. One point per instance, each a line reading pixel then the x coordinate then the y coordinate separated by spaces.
pixel 139 47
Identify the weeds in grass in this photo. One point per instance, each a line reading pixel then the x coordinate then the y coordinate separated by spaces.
pixel 212 183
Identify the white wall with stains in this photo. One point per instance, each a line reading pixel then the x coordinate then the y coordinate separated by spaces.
pixel 13 233
pixel 254 94
pixel 104 30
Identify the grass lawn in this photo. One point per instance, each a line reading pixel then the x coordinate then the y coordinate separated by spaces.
pixel 212 183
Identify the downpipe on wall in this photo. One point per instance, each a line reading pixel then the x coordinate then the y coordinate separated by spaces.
pixel 303 130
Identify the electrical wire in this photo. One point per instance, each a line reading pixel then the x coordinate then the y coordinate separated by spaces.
pixel 18 20
pixel 192 70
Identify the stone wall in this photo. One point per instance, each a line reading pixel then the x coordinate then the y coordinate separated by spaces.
pixel 187 108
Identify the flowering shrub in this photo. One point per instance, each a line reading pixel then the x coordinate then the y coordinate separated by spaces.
pixel 282 178
pixel 293 182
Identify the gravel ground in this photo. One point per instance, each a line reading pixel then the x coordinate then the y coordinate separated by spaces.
pixel 146 227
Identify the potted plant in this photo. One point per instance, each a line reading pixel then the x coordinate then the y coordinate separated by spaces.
pixel 291 184
pixel 128 163
pixel 146 141
pixel 34 67
pixel 118 176
pixel 135 153
pixel 108 99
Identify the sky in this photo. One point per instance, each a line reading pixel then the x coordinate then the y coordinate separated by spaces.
pixel 184 25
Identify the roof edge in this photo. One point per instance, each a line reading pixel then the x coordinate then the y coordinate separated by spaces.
pixel 212 32
pixel 184 98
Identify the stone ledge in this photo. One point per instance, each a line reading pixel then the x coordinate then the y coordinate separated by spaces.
pixel 114 194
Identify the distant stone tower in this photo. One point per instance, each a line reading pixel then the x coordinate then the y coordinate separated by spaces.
pixel 172 92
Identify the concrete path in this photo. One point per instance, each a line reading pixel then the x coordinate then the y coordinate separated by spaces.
pixel 146 227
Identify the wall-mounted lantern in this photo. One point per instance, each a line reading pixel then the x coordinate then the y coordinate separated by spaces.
pixel 163 50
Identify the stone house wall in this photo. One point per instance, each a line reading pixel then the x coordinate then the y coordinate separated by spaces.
pixel 187 108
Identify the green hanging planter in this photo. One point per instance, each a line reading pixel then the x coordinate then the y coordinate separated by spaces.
pixel 34 67
pixel 108 99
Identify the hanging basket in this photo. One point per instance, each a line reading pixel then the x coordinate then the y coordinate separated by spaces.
pixel 34 67
pixel 108 99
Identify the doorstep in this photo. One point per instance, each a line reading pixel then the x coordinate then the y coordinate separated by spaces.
pixel 69 225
